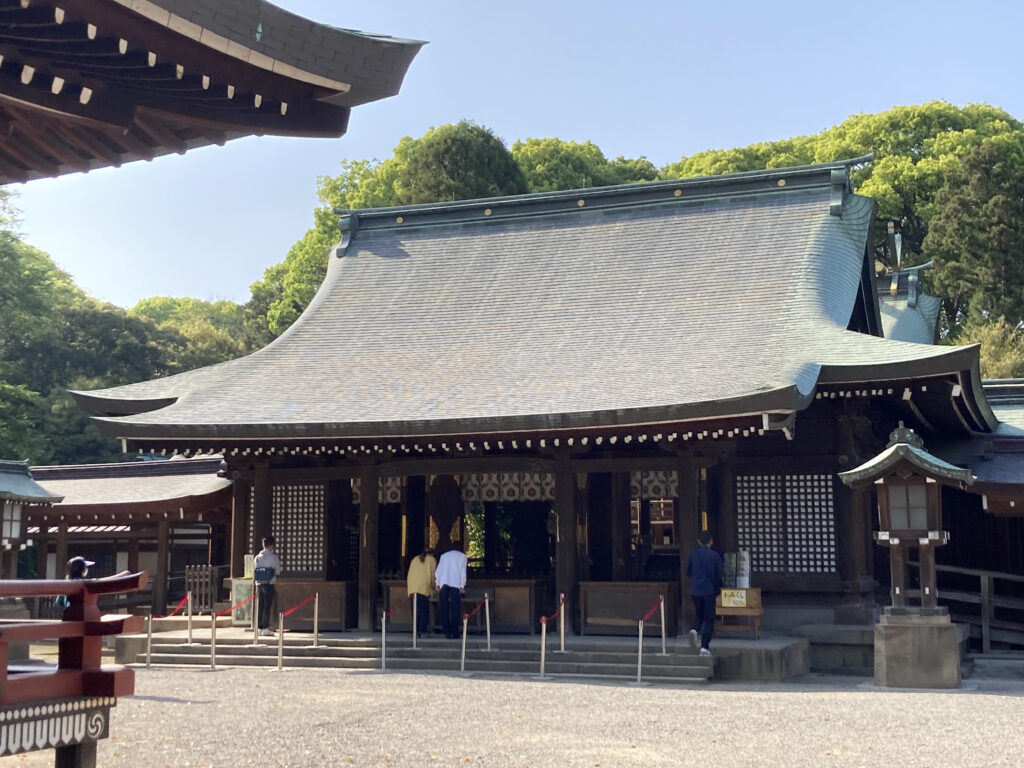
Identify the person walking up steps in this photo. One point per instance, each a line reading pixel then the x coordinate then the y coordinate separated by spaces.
pixel 705 571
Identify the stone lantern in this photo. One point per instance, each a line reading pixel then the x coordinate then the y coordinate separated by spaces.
pixel 916 645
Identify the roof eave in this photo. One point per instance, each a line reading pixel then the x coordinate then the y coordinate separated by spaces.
pixel 782 400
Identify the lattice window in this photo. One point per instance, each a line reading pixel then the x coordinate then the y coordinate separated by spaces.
pixel 759 527
pixel 297 518
pixel 810 524
pixel 787 523
pixel 297 522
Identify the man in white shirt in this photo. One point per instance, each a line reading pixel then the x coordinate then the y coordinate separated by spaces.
pixel 266 583
pixel 450 578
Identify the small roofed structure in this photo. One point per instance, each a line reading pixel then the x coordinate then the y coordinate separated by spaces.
pixel 908 314
pixel 21 495
pixel 148 515
pixel 86 84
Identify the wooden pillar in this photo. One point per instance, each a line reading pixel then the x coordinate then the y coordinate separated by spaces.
pixel 62 551
pixel 688 522
pixel 11 563
pixel 490 537
pixel 341 562
pixel 898 564
pixel 725 499
pixel 133 549
pixel 240 494
pixel 162 556
pixel 565 552
pixel 853 531
pixel 621 534
pixel 42 547
pixel 369 532
pixel 416 530
pixel 262 515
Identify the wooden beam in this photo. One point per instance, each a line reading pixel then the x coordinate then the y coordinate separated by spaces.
pixel 565 550
pixel 239 526
pixel 162 566
pixel 84 138
pixel 10 170
pixel 159 132
pixel 689 528
pixel 369 533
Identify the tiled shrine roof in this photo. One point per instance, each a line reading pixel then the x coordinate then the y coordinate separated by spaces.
pixel 139 486
pixel 641 304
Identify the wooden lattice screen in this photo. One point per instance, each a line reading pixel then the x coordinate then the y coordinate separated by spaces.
pixel 297 523
pixel 787 522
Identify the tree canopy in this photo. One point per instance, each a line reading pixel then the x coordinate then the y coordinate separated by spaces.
pixel 950 179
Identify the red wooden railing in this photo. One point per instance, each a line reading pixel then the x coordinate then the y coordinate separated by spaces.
pixel 80 632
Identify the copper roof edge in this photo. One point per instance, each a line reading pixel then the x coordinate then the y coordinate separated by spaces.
pixel 773 180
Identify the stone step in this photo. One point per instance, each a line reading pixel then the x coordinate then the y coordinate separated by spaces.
pixel 624 671
pixel 651 658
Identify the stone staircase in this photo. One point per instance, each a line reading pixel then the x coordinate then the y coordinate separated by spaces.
pixel 610 659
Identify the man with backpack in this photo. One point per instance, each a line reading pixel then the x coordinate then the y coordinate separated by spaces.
pixel 266 566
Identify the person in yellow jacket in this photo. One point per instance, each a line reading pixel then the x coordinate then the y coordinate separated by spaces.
pixel 420 582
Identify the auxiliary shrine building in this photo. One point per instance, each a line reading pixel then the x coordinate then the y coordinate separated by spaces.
pixel 574 384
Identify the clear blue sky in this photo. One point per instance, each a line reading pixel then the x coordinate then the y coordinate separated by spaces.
pixel 660 79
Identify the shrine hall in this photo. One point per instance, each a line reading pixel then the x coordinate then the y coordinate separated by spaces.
pixel 570 386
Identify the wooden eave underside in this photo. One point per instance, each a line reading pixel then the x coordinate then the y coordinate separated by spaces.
pixel 90 84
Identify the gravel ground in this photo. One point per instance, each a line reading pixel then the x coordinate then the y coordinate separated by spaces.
pixel 307 717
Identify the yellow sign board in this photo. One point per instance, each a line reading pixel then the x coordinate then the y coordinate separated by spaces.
pixel 734 598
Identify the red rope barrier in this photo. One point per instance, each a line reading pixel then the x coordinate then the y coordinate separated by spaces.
pixel 475 611
pixel 387 614
pixel 556 614
pixel 226 611
pixel 650 613
pixel 292 610
pixel 178 608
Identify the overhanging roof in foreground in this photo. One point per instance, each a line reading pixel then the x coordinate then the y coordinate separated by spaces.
pixel 642 304
pixel 86 84
pixel 184 489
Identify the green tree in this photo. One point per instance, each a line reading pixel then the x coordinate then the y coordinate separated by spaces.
pixel 1002 346
pixel 552 164
pixel 458 162
pixel 453 162
pixel 913 146
pixel 976 235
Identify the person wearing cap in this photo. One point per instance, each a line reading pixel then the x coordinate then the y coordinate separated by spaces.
pixel 267 565
pixel 77 568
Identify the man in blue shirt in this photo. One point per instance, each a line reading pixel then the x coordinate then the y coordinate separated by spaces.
pixel 705 571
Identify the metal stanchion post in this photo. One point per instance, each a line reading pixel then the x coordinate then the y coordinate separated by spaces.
pixel 280 642
pixel 149 640
pixel 383 640
pixel 213 639
pixel 543 645
pixel 640 653
pixel 561 623
pixel 189 598
pixel 316 620
pixel 465 626
pixel 487 618
pixel 255 616
pixel 664 649
pixel 415 618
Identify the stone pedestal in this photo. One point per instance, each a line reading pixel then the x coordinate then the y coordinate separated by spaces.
pixel 917 650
